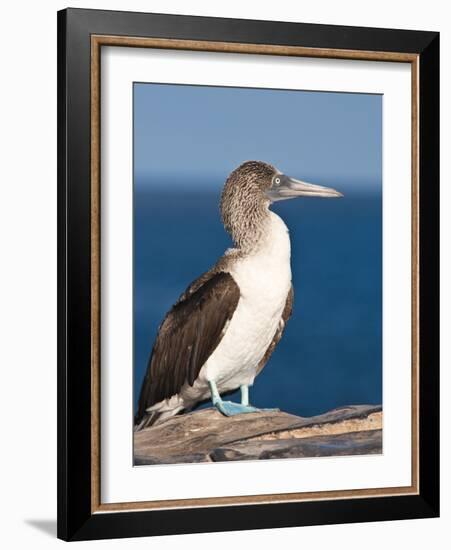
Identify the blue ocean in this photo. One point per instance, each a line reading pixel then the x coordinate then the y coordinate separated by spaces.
pixel 331 351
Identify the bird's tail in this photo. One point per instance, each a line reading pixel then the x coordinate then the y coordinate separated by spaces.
pixel 153 418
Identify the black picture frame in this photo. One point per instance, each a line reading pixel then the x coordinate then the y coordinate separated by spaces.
pixel 76 519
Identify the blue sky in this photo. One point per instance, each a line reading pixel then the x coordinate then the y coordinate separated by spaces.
pixel 200 133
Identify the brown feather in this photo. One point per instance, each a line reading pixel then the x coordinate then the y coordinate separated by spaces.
pixel 188 335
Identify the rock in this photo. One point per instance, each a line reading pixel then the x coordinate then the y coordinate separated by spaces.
pixel 353 443
pixel 206 435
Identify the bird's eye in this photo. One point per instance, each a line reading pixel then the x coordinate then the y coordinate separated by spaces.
pixel 277 181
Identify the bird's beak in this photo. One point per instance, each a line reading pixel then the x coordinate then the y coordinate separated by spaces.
pixel 284 187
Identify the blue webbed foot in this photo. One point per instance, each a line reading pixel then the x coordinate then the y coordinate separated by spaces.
pixel 228 408
pixel 245 399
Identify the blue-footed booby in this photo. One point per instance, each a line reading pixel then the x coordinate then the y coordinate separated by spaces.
pixel 222 330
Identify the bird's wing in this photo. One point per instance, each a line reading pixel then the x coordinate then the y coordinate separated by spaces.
pixel 286 314
pixel 188 335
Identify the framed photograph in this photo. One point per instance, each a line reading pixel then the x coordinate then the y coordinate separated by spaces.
pixel 248 274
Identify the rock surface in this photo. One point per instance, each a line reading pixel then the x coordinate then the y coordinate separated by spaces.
pixel 368 442
pixel 208 436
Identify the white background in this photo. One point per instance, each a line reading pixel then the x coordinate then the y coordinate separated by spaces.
pixel 28 271
pixel 120 482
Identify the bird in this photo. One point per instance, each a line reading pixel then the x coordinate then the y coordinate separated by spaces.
pixel 221 332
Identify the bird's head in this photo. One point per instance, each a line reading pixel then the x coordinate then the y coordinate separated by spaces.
pixel 253 186
pixel 267 182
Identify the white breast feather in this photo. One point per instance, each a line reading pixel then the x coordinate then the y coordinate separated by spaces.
pixel 264 280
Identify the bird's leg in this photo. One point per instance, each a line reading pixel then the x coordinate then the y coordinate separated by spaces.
pixel 227 408
pixel 245 399
pixel 244 395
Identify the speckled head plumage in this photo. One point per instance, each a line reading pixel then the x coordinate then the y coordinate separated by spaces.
pixel 244 205
pixel 252 173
